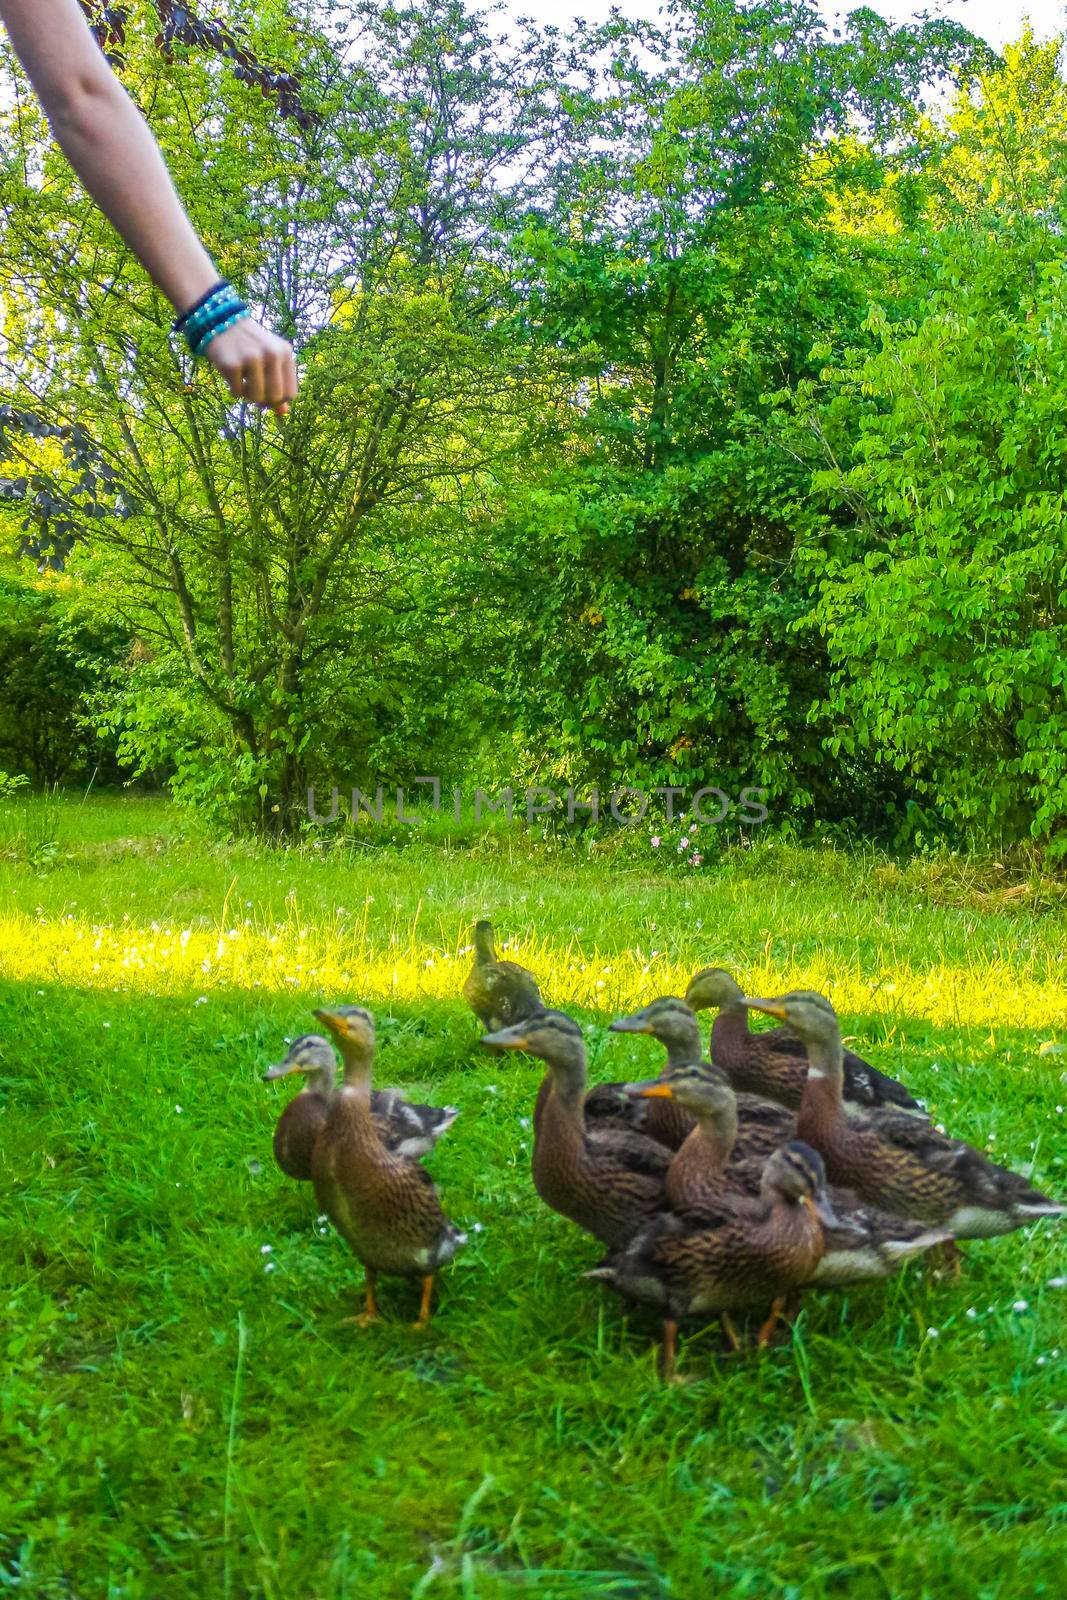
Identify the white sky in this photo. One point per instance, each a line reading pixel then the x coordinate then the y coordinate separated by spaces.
pixel 997 21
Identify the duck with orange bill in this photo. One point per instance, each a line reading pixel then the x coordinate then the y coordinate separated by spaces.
pixel 774 1062
pixel 715 1163
pixel 383 1204
pixel 407 1129
pixel 738 1252
pixel 896 1161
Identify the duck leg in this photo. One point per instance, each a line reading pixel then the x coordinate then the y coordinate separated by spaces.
pixel 777 1307
pixel 424 1305
pixel 952 1258
pixel 670 1348
pixel 792 1305
pixel 727 1326
pixel 371 1314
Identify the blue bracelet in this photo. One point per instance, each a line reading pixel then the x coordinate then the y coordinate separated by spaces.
pixel 224 301
pixel 239 314
pixel 211 318
pixel 198 305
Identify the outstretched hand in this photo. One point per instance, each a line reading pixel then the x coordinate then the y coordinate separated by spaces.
pixel 256 365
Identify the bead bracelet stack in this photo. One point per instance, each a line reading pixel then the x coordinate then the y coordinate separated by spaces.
pixel 212 314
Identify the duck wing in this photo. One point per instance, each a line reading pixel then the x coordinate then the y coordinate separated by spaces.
pixel 406 1128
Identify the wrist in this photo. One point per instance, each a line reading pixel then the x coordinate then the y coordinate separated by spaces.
pixel 216 311
pixel 187 307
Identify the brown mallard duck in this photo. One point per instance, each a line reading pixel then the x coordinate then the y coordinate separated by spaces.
pixel 896 1161
pixel 500 993
pixel 407 1130
pixel 774 1063
pixel 607 1180
pixel 866 1243
pixel 385 1207
pixel 737 1252
pixel 764 1123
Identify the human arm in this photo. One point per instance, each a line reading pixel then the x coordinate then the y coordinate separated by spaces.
pixel 110 147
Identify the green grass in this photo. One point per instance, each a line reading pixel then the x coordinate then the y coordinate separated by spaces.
pixel 179 1420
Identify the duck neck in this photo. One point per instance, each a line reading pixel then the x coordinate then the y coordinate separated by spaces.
pixel 568 1084
pixel 320 1082
pixel 484 947
pixel 820 1103
pixel 358 1065
pixel 696 1171
pixel 717 1135
pixel 729 1032
pixel 683 1048
pixel 794 1226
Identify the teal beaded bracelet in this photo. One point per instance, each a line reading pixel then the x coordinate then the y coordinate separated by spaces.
pixel 211 315
pixel 197 306
pixel 239 312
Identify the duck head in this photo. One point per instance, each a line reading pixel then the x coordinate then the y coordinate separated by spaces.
pixel 712 988
pixel 311 1055
pixel 809 1015
pixel 554 1038
pixel 700 1089
pixel 795 1176
pixel 670 1021
pixel 351 1026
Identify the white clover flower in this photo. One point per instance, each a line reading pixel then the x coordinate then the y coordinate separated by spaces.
pixel 1020 1305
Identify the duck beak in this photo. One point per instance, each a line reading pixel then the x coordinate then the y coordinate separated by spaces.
pixel 629 1025
pixel 506 1039
pixel 281 1069
pixel 773 1008
pixel 650 1089
pixel 331 1020
pixel 825 1211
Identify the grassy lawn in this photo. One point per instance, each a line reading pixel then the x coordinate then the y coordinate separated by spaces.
pixel 183 1411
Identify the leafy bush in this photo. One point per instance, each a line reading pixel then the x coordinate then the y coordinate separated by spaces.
pixel 50 666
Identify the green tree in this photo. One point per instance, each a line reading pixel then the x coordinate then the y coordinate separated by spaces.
pixel 297 594
pixel 687 259
pixel 942 596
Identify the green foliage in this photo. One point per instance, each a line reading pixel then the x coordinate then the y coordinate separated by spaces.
pixel 50 668
pixel 679 408
pixel 290 589
pixel 941 585
pixel 11 783
pixel 693 272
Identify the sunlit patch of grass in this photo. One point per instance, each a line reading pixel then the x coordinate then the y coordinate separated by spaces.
pixel 185 1412
pixel 343 954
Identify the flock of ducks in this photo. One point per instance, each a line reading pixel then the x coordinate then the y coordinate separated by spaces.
pixel 784 1162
